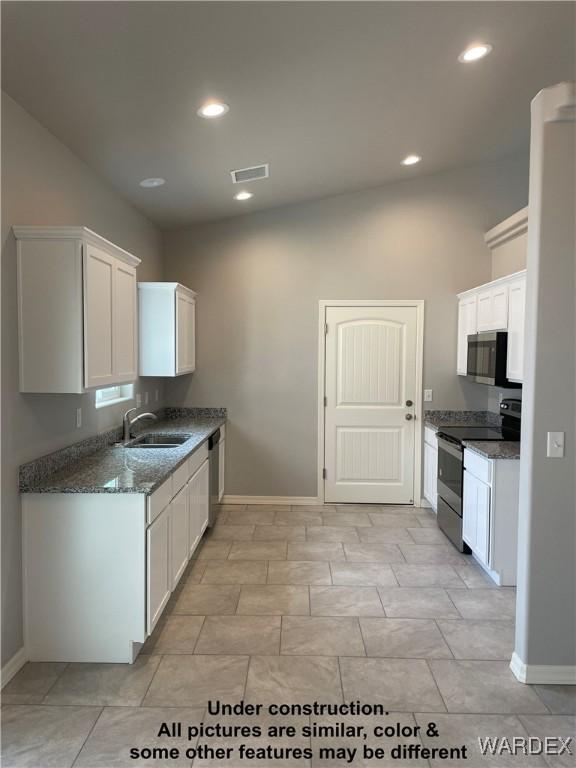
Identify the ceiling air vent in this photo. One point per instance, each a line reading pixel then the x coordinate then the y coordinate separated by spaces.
pixel 243 175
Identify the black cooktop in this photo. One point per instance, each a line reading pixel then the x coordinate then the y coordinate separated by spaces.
pixel 457 434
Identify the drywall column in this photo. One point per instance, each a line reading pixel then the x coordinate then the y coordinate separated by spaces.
pixel 546 601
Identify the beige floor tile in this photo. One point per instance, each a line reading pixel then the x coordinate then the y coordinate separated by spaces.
pixel 345 601
pixel 231 507
pixel 294 572
pixel 235 572
pixel 315 636
pixel 213 550
pixel 104 684
pixel 560 699
pixel 362 574
pixel 479 639
pixel 484 686
pixel 120 729
pixel 313 508
pixel 432 553
pixel 279 533
pixel 399 684
pixel 268 507
pixel 354 519
pixel 249 635
pixel 359 760
pixel 258 550
pixel 417 603
pixel 193 574
pixel 207 599
pixel 485 603
pixel 174 634
pixel 44 737
pixel 360 508
pixel 331 533
pixel 234 760
pixel 404 639
pixel 254 516
pixel 427 519
pixel 298 516
pixel 410 575
pixel 458 730
pixel 381 535
pixel 32 683
pixel 274 599
pixel 309 550
pixel 563 726
pixel 373 553
pixel 191 681
pixel 422 535
pixel 293 679
pixel 474 577
pixel 393 519
pixel 223 532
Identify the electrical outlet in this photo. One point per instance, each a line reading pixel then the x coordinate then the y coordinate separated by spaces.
pixel 555 445
pixel 138 400
pixel 78 418
pixel 157 395
pixel 427 395
pixel 145 398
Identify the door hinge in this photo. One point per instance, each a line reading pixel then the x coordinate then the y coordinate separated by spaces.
pixel 325 329
pixel 324 473
pixel 325 401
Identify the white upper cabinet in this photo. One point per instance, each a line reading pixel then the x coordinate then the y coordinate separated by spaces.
pixel 493 308
pixel 467 325
pixel 77 310
pixel 167 329
pixel 516 312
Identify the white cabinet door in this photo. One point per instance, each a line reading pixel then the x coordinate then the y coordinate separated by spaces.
pixel 198 505
pixel 476 516
pixel 125 323
pixel 493 308
pixel 179 550
pixel 204 504
pixel 467 325
pixel 430 474
pixel 98 280
pixel 158 568
pixel 185 334
pixel 221 468
pixel 516 314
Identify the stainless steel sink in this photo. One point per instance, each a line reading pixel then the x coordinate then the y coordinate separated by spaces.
pixel 157 441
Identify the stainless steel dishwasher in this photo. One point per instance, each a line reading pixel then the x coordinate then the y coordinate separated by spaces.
pixel 214 475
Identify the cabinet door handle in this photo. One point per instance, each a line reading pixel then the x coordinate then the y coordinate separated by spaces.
pixel 408 417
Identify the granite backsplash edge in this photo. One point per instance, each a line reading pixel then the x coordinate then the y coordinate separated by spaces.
pixel 37 469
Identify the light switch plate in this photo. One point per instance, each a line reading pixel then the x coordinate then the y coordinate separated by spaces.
pixel 427 395
pixel 555 445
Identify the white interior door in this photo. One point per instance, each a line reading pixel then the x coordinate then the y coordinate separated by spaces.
pixel 370 388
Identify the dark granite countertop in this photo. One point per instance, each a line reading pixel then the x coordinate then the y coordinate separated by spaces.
pixel 115 469
pixel 494 449
pixel 438 419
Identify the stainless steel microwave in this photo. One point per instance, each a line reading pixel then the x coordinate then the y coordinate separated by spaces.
pixel 487 359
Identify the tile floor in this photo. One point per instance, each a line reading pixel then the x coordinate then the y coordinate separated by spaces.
pixel 295 605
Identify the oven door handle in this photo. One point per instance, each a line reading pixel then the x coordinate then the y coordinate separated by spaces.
pixel 446 446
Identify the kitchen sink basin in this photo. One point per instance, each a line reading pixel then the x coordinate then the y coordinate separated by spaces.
pixel 157 441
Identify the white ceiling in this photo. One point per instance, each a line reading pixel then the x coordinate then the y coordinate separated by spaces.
pixel 332 94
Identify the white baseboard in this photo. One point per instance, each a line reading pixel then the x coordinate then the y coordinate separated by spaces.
pixel 13 666
pixel 542 673
pixel 288 500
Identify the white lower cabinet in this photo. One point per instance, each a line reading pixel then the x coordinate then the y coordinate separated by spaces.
pixel 430 467
pixel 221 468
pixel 490 514
pixel 100 567
pixel 158 580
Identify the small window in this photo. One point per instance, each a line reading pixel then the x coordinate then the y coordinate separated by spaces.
pixel 113 395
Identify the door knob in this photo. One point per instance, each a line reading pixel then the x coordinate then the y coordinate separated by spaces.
pixel 409 403
pixel 408 417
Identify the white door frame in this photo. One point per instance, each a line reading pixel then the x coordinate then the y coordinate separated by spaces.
pixel 323 305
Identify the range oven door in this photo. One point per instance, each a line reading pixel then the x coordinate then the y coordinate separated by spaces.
pixel 450 473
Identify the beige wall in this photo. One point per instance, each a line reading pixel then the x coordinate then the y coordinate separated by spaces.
pixel 44 183
pixel 260 277
pixel 509 257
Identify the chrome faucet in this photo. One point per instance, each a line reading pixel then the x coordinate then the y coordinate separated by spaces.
pixel 128 423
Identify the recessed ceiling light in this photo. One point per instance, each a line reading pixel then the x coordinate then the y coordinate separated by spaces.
pixel 243 196
pixel 213 109
pixel 411 160
pixel 474 52
pixel 149 183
